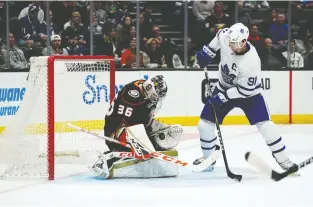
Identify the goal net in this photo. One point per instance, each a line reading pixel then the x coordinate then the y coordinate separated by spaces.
pixel 59 90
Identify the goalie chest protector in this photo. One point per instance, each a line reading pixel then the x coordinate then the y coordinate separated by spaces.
pixel 129 108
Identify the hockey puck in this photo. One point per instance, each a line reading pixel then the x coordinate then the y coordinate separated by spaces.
pixel 162 136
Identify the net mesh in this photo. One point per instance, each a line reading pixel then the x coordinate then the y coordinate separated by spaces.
pixel 81 97
pixel 96 66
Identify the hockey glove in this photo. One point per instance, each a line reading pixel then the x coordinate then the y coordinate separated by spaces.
pixel 218 99
pixel 205 56
pixel 210 89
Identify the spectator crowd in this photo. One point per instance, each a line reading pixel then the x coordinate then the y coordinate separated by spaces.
pixel 161 31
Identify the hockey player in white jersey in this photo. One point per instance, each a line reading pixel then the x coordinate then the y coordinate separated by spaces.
pixel 239 86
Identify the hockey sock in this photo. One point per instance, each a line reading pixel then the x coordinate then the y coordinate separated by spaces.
pixel 207 137
pixel 273 140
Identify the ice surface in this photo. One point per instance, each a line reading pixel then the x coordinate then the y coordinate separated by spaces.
pixel 188 189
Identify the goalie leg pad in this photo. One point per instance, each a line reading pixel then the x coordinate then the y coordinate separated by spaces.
pixel 207 137
pixel 152 168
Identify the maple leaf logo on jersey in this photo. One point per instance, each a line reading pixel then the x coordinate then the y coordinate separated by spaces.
pixel 227 76
pixel 225 69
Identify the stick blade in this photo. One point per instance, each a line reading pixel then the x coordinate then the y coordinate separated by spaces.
pixel 258 163
pixel 263 167
pixel 233 176
pixel 207 162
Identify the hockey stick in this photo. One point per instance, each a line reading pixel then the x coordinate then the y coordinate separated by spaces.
pixel 259 164
pixel 230 174
pixel 157 155
pixel 119 155
pixel 77 153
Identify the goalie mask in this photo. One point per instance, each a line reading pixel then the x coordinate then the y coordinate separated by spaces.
pixel 155 88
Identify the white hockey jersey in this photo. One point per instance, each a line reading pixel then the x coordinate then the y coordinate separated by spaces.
pixel 238 74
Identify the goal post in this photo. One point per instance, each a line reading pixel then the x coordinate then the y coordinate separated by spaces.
pixel 59 89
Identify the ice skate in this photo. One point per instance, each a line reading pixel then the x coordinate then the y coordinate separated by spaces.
pixel 101 169
pixel 201 159
pixel 288 165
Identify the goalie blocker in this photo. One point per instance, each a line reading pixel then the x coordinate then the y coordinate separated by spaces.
pixel 130 118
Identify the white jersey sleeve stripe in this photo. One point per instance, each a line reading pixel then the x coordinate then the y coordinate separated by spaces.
pixel 249 89
pixel 242 93
pixel 246 89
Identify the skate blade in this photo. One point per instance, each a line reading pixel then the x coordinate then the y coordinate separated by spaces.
pixel 295 174
pixel 209 169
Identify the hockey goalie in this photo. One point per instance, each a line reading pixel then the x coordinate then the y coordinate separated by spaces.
pixel 132 113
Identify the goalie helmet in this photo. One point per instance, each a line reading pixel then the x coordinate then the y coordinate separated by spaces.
pixel 237 34
pixel 155 88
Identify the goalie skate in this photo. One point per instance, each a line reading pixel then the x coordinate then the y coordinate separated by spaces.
pixel 101 169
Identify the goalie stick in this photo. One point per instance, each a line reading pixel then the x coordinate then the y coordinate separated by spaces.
pixel 157 155
pixel 259 164
pixel 77 153
pixel 230 174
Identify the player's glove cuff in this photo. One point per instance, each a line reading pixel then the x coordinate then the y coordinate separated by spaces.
pixel 205 56
pixel 209 51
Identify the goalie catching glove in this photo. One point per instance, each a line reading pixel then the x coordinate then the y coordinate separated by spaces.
pixel 165 136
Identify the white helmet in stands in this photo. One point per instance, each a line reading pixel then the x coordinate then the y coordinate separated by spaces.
pixel 238 35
